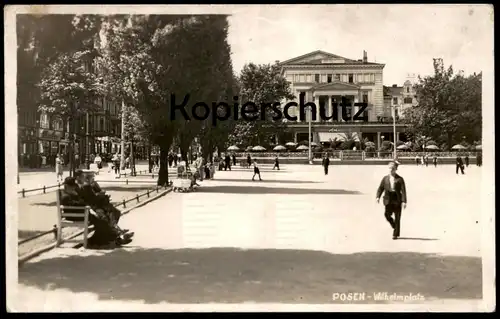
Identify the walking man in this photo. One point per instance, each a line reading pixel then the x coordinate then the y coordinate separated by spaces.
pixel 394 189
pixel 467 160
pixel 276 163
pixel 256 170
pixel 459 165
pixel 435 160
pixel 326 163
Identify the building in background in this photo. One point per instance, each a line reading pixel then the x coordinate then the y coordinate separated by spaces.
pixel 403 97
pixel 326 78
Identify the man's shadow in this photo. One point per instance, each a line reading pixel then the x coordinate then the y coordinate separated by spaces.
pixel 416 238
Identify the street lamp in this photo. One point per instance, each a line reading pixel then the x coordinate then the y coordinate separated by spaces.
pixel 394 131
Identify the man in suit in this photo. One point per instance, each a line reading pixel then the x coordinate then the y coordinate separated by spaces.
pixel 459 165
pixel 326 163
pixel 394 189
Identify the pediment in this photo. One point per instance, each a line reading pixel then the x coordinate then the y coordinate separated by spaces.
pixel 335 86
pixel 317 57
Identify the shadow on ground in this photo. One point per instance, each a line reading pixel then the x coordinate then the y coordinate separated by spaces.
pixel 258 189
pixel 249 179
pixel 229 275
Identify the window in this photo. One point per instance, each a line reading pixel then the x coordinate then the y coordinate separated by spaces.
pixel 407 89
pixel 289 77
pixel 394 100
pixel 329 78
pixel 101 124
pixel 308 78
pixel 359 78
pixel 44 121
pixel 316 78
pixel 408 100
pixel 296 79
pixel 351 78
pixel 337 77
pixel 323 78
pixel 372 77
pixel 365 115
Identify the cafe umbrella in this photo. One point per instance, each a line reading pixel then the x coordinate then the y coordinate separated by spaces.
pixel 258 148
pixel 233 148
pixel 279 148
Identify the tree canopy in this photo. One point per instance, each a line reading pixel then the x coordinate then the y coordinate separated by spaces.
pixel 449 107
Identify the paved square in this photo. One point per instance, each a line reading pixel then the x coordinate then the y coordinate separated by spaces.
pixel 296 237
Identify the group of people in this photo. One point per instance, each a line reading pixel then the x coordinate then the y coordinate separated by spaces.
pixel 83 190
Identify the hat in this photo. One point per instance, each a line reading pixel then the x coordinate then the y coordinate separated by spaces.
pixel 70 181
pixel 78 173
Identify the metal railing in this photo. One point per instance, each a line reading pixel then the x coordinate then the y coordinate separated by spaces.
pixel 123 203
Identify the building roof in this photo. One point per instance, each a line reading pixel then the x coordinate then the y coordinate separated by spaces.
pixel 392 90
pixel 318 56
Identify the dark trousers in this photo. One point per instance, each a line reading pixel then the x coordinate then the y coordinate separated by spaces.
pixel 276 165
pixel 326 169
pixel 394 208
pixel 461 168
pixel 228 165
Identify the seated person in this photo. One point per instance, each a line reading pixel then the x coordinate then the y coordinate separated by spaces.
pixel 105 231
pixel 70 197
pixel 104 202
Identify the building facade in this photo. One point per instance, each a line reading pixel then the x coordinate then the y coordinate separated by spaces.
pixel 401 97
pixel 327 79
pixel 41 136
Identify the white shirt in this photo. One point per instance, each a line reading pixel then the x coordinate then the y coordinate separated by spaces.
pixel 255 164
pixel 392 181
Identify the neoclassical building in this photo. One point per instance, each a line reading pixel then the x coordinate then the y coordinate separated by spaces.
pixel 325 79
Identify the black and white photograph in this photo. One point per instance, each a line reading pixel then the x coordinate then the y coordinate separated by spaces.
pixel 265 158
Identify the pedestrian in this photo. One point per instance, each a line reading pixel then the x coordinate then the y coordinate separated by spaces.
pixel 479 159
pixel 249 160
pixel 116 165
pixel 459 165
pixel 256 170
pixel 394 189
pixel 170 159
pixel 59 168
pixel 422 160
pixel 426 160
pixel 98 161
pixel 435 160
pixel 234 159
pixel 467 160
pixel 416 159
pixel 276 163
pixel 227 161
pixel 325 163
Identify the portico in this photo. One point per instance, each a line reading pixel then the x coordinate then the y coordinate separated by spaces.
pixel 330 96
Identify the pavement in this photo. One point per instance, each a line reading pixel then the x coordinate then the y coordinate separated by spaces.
pixel 296 237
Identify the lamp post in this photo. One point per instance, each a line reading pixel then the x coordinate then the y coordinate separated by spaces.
pixel 394 132
pixel 310 133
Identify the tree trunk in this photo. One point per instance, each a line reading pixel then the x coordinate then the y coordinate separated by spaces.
pixel 163 173
pixel 150 168
pixel 132 157
pixel 122 143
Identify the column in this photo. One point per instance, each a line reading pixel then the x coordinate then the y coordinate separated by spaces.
pixel 295 137
pixel 355 109
pixel 397 136
pixel 339 109
pixel 330 107
pixel 316 102
pixel 378 140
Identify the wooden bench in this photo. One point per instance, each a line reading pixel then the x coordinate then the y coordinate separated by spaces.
pixel 63 222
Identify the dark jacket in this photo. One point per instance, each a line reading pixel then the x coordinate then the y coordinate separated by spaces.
pixel 326 161
pixel 72 199
pixel 399 188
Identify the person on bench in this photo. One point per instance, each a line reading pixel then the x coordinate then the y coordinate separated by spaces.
pixel 104 201
pixel 106 233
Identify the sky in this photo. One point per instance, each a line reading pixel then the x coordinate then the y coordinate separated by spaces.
pixel 403 37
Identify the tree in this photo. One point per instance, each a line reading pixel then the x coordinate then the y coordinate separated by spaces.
pixel 449 107
pixel 261 84
pixel 70 89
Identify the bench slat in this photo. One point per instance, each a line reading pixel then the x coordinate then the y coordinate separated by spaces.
pixel 74 207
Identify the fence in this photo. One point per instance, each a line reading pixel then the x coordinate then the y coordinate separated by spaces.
pixel 353 154
pixel 122 204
